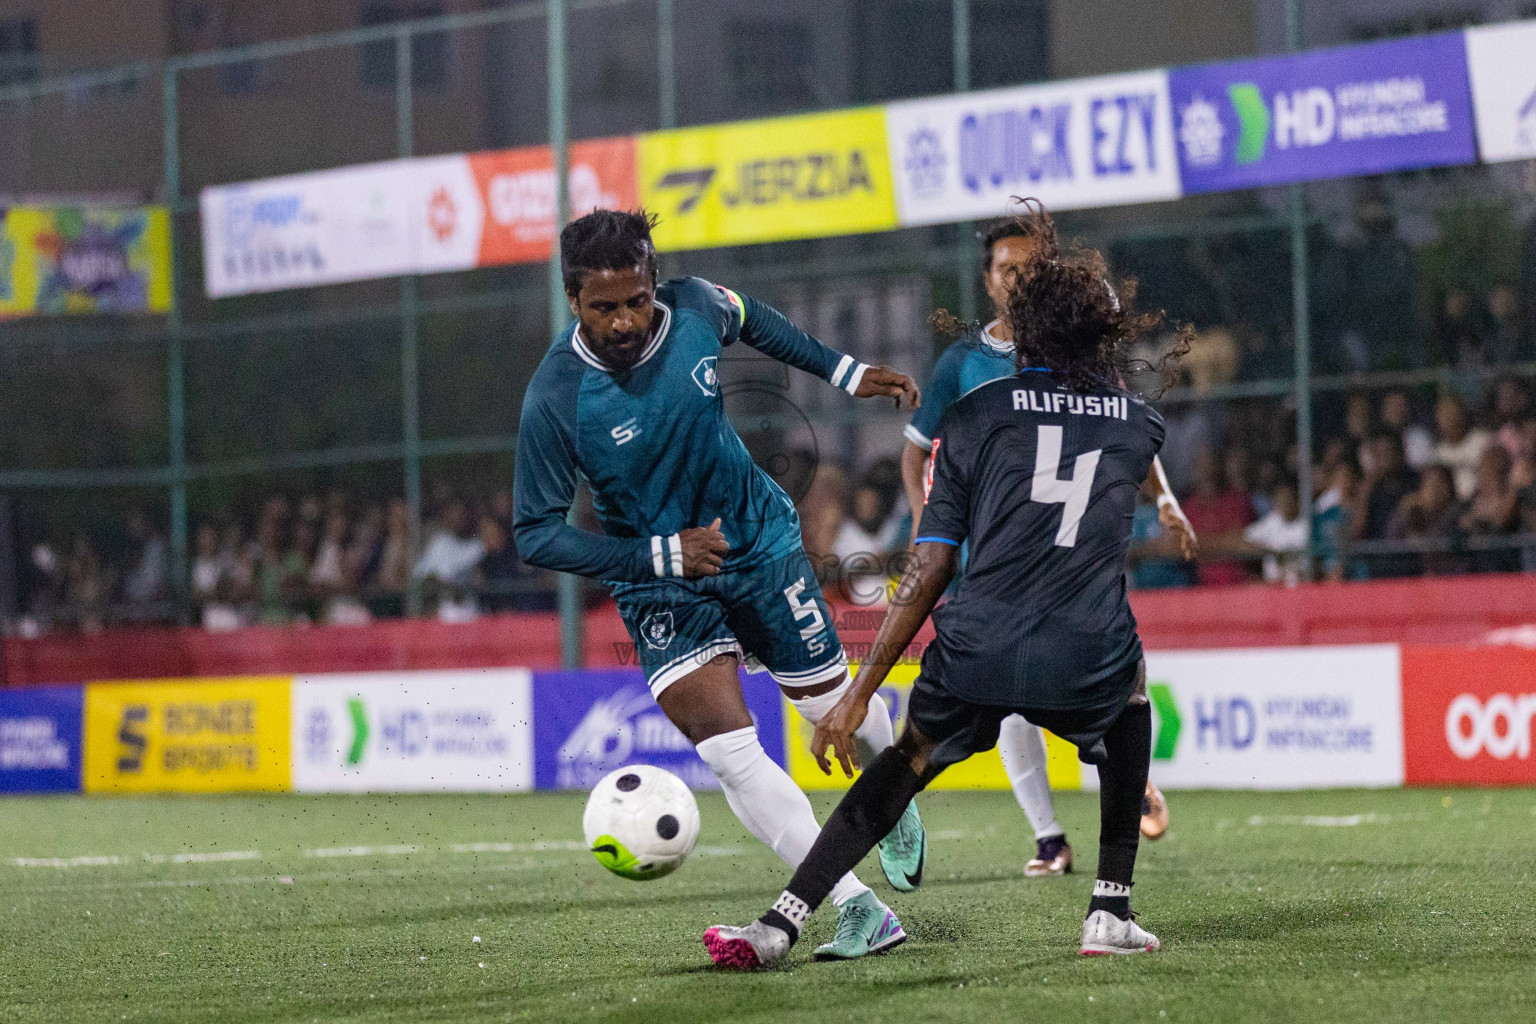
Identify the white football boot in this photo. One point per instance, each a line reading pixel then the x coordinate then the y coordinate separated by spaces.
pixel 1104 933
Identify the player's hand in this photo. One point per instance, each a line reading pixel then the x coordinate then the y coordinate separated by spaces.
pixel 704 550
pixel 1176 523
pixel 882 380
pixel 836 731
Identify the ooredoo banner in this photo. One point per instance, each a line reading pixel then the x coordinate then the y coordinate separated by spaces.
pixel 1501 60
pixel 395 732
pixel 1089 142
pixel 1370 109
pixel 419 216
pixel 1467 715
pixel 586 724
pixel 1276 718
pixel 40 739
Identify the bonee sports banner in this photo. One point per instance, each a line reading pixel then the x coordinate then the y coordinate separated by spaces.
pixel 1370 109
pixel 1089 142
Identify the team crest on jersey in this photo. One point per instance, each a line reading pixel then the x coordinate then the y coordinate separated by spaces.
pixel 657 630
pixel 705 377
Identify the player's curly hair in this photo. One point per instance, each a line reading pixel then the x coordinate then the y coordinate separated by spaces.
pixel 1066 316
pixel 606 240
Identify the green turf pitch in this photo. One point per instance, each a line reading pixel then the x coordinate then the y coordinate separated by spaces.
pixel 1331 906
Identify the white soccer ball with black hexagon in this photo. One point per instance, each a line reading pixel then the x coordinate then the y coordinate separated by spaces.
pixel 641 822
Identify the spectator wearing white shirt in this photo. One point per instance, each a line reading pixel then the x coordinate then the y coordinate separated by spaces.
pixel 449 563
pixel 1418 442
pixel 868 532
pixel 1460 445
pixel 1281 535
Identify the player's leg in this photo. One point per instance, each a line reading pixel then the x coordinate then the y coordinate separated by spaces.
pixel 781 617
pixel 1021 744
pixel 877 799
pixel 1109 927
pixel 1154 813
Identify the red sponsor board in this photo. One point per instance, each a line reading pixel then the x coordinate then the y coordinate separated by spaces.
pixel 1468 714
pixel 517 187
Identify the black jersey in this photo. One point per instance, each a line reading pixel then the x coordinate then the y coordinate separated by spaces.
pixel 1041 482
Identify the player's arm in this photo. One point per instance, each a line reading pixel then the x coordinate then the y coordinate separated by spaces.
pixel 914 466
pixel 771 333
pixel 942 390
pixel 920 589
pixel 1169 513
pixel 544 487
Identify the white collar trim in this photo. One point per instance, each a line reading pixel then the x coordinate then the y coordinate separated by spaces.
pixel 590 358
pixel 996 344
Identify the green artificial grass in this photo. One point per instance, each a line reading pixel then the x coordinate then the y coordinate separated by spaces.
pixel 1318 906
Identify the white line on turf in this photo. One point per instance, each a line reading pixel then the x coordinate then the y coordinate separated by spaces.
pixel 1327 821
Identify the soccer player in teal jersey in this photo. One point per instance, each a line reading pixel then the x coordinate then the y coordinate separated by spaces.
pixel 700 547
pixel 977 358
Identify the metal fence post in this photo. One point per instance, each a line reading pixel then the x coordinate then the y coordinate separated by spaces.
pixel 570 586
pixel 666 62
pixel 1301 316
pixel 175 356
pixel 965 231
pixel 410 384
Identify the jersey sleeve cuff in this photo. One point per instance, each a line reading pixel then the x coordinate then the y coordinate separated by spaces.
pixel 937 540
pixel 667 556
pixel 848 373
pixel 918 438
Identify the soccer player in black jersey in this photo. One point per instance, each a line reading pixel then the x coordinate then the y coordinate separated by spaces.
pixel 1038 472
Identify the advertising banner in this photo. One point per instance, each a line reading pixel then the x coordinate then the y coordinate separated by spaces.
pixel 1501 60
pixel 413 732
pixel 81 259
pixel 40 739
pixel 982 771
pixel 586 724
pixel 1370 109
pixel 1467 715
pixel 302 230
pixel 807 176
pixel 1276 718
pixel 187 736
pixel 1090 142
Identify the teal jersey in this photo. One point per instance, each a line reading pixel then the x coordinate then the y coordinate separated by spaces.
pixel 654 443
pixel 974 360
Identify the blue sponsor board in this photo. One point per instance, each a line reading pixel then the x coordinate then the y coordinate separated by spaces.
pixel 1369 109
pixel 586 724
pixel 40 739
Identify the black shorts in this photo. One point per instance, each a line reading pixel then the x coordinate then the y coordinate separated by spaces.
pixel 959 728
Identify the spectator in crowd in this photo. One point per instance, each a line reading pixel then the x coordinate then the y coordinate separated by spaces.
pixel 1458 331
pixel 1505 343
pixel 86 586
pixel 1429 515
pixel 1365 290
pixel 1397 416
pixel 447 566
pixel 505 581
pixel 1493 510
pixel 146 583
pixel 1211 360
pixel 1281 536
pixel 821 518
pixel 1511 408
pixel 211 586
pixel 1155 559
pixel 1387 481
pixel 1190 430
pixel 868 532
pixel 1330 518
pixel 271 576
pixel 1458 445
pixel 328 573
pixel 1217 512
pixel 394 571
pixel 365 549
pixel 46 601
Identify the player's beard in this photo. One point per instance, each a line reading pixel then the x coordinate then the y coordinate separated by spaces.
pixel 623 351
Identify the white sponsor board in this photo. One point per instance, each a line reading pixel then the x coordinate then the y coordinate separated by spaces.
pixel 1502 62
pixel 1277 718
pixel 1087 142
pixel 347 224
pixel 397 732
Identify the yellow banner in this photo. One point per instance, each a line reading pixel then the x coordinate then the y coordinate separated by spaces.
pixel 982 771
pixel 73 259
pixel 810 175
pixel 192 736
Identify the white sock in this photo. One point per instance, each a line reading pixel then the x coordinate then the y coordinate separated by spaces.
pixel 873 736
pixel 767 801
pixel 1022 746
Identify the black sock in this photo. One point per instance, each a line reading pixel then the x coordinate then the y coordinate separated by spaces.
pixel 864 816
pixel 1122 783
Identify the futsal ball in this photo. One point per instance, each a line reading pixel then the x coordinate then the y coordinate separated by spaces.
pixel 641 822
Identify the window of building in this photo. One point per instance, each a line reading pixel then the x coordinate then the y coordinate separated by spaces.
pixel 429 51
pixel 18 50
